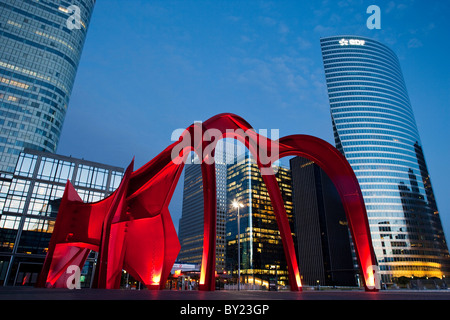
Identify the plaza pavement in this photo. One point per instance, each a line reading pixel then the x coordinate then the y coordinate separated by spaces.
pixel 222 304
pixel 30 293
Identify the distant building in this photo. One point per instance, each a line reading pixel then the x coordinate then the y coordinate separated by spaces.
pixel 323 240
pixel 263 261
pixel 29 203
pixel 191 221
pixel 190 230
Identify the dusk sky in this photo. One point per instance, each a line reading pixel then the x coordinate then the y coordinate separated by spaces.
pixel 151 67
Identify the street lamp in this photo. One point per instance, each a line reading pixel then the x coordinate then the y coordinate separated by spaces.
pixel 238 205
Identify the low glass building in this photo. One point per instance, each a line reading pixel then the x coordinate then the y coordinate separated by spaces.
pixel 29 203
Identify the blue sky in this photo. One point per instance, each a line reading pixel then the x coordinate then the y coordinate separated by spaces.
pixel 150 67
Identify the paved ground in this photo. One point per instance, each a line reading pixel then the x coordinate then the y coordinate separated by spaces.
pixel 23 293
pixel 170 305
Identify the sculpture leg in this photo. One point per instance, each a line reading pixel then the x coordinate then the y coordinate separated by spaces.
pixel 65 255
pixel 172 246
pixel 208 268
pixel 111 253
pixel 285 231
pixel 341 173
pixel 144 250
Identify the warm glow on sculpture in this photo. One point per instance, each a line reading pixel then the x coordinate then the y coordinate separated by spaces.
pixel 132 229
pixel 371 280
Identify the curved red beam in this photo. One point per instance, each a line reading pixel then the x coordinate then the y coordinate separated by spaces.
pixel 341 174
pixel 132 228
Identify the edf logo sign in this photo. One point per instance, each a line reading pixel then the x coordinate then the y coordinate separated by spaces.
pixel 352 42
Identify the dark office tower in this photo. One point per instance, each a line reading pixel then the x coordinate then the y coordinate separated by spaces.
pixel 29 203
pixel 323 240
pixel 375 129
pixel 190 231
pixel 262 257
pixel 41 44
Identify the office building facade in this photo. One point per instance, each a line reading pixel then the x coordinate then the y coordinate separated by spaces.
pixel 263 262
pixel 325 255
pixel 41 45
pixel 374 127
pixel 29 203
pixel 190 227
pixel 190 231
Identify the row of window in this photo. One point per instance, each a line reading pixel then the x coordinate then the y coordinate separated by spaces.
pixel 370 102
pixel 28 125
pixel 49 10
pixel 345 73
pixel 33 80
pixel 41 36
pixel 391 133
pixel 379 168
pixel 381 150
pixel 359 161
pixel 385 68
pixel 369 90
pixel 39 46
pixel 60 171
pixel 359 138
pixel 368 117
pixel 36 62
pixel 393 176
pixel 369 134
pixel 369 111
pixel 53 117
pixel 350 82
pixel 352 56
pixel 361 95
pixel 345 66
pixel 384 158
pixel 370 48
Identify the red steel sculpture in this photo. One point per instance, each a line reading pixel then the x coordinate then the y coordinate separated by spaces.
pixel 132 228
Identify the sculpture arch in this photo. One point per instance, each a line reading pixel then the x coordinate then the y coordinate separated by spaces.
pixel 132 229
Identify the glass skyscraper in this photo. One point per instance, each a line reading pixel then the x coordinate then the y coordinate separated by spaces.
pixel 191 222
pixel 263 262
pixel 374 127
pixel 41 44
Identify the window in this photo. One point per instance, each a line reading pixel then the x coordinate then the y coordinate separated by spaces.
pixel 84 175
pixel 116 178
pixel 55 170
pixel 25 165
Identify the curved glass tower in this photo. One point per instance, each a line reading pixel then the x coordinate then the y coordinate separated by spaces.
pixel 39 57
pixel 374 127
